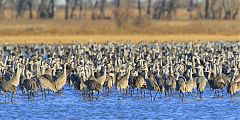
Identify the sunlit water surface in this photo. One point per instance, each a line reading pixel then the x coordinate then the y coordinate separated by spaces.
pixel 72 105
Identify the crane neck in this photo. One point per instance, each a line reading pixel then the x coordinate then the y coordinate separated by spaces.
pixel 65 69
pixel 191 77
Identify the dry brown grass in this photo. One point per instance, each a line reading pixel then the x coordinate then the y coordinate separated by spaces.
pixel 59 30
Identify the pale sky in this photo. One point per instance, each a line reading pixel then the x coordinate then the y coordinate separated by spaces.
pixel 61 2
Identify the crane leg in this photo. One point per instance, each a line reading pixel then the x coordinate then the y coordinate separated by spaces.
pixel 97 95
pixel 5 98
pixel 155 96
pixel 12 97
pixel 151 94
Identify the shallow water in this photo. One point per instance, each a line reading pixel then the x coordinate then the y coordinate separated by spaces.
pixel 72 105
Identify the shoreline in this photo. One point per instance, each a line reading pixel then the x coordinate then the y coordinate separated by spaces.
pixel 70 39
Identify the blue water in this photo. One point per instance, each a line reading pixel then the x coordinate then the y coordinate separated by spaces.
pixel 72 105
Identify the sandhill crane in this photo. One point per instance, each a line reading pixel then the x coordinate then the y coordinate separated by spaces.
pixel 61 80
pixel 217 83
pixel 181 86
pixel 139 83
pixel 102 78
pixel 170 85
pixel 45 82
pixel 93 85
pixel 79 84
pixel 173 79
pixel 109 83
pixel 16 79
pixel 6 87
pixel 236 74
pixel 11 85
pixel 113 76
pixel 79 80
pixel 160 82
pixel 171 76
pixel 152 86
pixel 82 86
pixel 190 83
pixel 167 84
pixel 28 76
pixel 47 71
pixel 201 81
pixel 234 86
pixel 122 84
pixel 72 78
pixel 131 82
pixel 31 87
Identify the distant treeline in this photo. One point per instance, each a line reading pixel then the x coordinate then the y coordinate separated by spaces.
pixel 155 9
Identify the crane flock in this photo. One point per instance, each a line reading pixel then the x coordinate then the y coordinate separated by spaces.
pixel 168 69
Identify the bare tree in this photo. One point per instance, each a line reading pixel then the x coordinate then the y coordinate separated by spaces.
pixel 46 9
pixel 30 7
pixel 122 15
pixel 155 9
pixel 231 9
pixel 117 2
pixel 164 9
pixel 190 8
pixel 160 5
pixel 149 7
pixel 93 8
pixel 206 8
pixel 139 7
pixel 20 7
pixel 199 12
pixel 2 9
pixel 51 11
pixel 170 9
pixel 216 8
pixel 80 8
pixel 73 8
pixel 235 12
pixel 159 9
pixel 66 9
pixel 102 8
